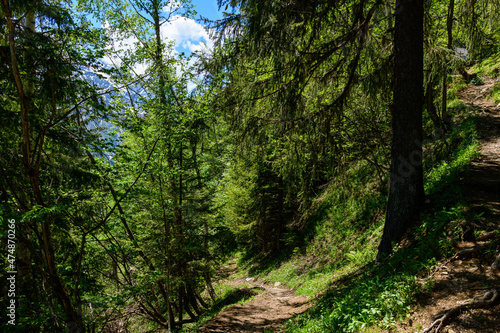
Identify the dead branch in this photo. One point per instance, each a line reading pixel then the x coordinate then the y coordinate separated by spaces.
pixel 487 299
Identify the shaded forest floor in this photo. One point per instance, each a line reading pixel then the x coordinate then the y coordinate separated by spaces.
pixel 453 281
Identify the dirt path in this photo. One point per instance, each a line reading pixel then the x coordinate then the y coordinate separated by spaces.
pixel 484 179
pixel 270 307
pixel 456 281
pixel 468 277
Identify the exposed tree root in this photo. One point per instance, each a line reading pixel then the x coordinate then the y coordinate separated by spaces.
pixel 488 235
pixel 496 264
pixel 487 299
pixel 473 249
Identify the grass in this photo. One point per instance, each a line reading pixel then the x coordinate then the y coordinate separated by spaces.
pixel 350 210
pixel 489 67
pixel 382 294
pixel 495 93
pixel 360 303
pixel 464 144
pixel 342 229
pixel 370 296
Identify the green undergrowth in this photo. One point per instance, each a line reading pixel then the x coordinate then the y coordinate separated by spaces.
pixel 369 295
pixel 342 230
pixel 490 67
pixel 495 93
pixel 345 226
pixel 454 103
pixel 335 266
pixel 381 294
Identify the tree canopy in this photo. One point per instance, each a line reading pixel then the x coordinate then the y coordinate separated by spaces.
pixel 133 171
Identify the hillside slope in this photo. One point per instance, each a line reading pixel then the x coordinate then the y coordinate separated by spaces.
pixel 468 275
pixel 423 279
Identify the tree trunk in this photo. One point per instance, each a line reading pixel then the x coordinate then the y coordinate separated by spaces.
pixel 406 186
pixel 429 105
pixel 449 28
pixel 206 273
pixel 74 318
pixel 25 92
pixel 181 305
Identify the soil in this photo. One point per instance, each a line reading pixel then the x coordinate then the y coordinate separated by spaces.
pixel 457 280
pixel 464 278
pixel 270 306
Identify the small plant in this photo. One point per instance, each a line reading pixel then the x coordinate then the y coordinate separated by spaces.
pixel 477 81
pixel 495 93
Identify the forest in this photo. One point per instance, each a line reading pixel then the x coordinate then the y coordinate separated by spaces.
pixel 318 144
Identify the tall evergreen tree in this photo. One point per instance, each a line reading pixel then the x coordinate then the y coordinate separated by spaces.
pixel 406 192
pixel 42 161
pixel 308 82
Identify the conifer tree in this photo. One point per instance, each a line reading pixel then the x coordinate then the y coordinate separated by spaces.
pixel 164 137
pixel 47 109
pixel 406 191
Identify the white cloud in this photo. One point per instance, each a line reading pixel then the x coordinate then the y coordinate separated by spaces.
pixel 187 34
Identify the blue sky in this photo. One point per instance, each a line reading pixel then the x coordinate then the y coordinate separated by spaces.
pixel 207 8
pixel 188 34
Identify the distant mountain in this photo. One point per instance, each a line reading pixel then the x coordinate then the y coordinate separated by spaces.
pixel 106 128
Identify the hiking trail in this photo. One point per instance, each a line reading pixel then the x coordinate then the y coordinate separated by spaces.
pixel 270 307
pixel 461 282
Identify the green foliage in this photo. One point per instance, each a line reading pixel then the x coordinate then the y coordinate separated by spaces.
pixel 383 293
pixel 47 183
pixel 281 151
pixel 478 27
pixel 488 67
pixel 454 89
pixel 461 147
pixel 291 98
pixel 254 206
pixel 337 235
pixel 372 301
pixel 477 81
pixel 495 93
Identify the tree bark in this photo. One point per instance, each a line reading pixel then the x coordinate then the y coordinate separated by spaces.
pixel 73 317
pixel 406 177
pixel 429 105
pixel 449 29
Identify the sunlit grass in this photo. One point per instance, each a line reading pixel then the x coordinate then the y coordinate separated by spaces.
pixel 336 268
pixel 379 295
